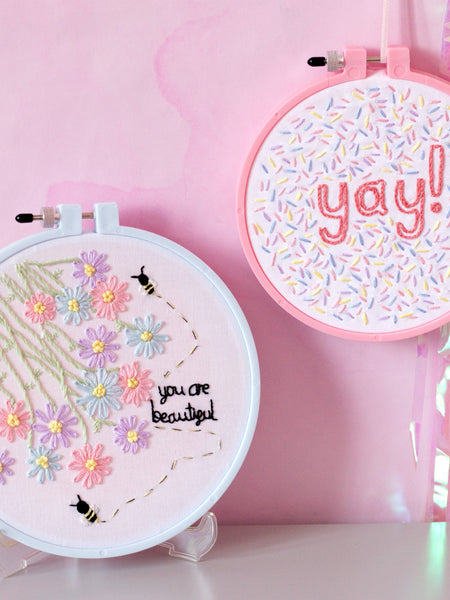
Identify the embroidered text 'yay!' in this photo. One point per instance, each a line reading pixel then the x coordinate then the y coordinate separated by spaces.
pixel 370 199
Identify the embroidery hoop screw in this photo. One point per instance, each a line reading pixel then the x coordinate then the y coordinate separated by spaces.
pixel 334 61
pixel 49 216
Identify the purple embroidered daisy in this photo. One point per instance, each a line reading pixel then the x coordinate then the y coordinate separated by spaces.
pixel 130 434
pixel 97 348
pixel 56 426
pixel 5 462
pixel 91 268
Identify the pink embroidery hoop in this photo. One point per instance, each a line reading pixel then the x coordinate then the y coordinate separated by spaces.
pixel 208 360
pixel 342 202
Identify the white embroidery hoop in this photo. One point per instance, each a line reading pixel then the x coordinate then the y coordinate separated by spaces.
pixel 144 535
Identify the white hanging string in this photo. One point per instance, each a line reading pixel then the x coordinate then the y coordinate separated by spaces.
pixel 384 31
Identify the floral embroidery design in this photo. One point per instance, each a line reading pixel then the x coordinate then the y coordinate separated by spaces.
pixel 56 426
pixel 44 464
pixel 91 269
pixel 135 383
pixel 91 466
pixel 40 308
pixel 97 348
pixel 109 298
pixel 13 421
pixel 74 305
pixel 130 434
pixel 145 337
pixel 101 393
pixel 5 462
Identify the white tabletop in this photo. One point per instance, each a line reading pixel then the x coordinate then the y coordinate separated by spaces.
pixel 311 562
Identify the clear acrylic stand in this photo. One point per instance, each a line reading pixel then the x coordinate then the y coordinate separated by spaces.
pixel 191 544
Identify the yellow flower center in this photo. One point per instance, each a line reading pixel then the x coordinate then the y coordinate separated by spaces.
pixel 90 464
pixel 132 436
pixel 99 391
pixel 89 270
pixel 42 461
pixel 55 426
pixel 1 467
pixel 108 296
pixel 39 308
pixel 98 346
pixel 146 336
pixel 73 305
pixel 132 383
pixel 13 420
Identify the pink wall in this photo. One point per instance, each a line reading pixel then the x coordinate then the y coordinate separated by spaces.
pixel 154 105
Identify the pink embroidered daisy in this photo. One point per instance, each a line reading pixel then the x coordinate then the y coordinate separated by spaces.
pixel 40 308
pixel 90 464
pixel 135 383
pixel 13 421
pixel 109 297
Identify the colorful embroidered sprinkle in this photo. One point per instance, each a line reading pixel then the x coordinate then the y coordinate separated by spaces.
pixel 56 426
pixel 135 383
pixel 91 466
pixel 5 462
pixel 44 464
pixel 101 393
pixel 109 298
pixel 91 268
pixel 40 308
pixel 74 305
pixel 145 337
pixel 13 421
pixel 130 434
pixel 97 348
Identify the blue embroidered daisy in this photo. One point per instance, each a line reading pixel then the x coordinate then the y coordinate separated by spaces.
pixel 100 391
pixel 44 464
pixel 145 337
pixel 74 305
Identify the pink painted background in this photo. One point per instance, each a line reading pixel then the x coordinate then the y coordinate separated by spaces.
pixel 154 105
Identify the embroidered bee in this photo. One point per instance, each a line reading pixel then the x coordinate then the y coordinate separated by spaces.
pixel 147 285
pixel 89 514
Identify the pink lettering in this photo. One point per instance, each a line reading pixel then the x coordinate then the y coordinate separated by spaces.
pixel 376 189
pixel 327 211
pixel 415 208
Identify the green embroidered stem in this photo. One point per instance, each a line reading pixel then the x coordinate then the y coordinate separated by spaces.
pixel 39 280
pixel 66 391
pixel 5 391
pixel 51 263
pixel 120 325
pixel 72 344
pixel 21 354
pixel 15 288
pixel 66 355
pixel 22 385
pixel 99 423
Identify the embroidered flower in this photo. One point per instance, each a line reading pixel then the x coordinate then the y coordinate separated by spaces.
pixel 135 383
pixel 101 393
pixel 145 337
pixel 91 466
pixel 97 348
pixel 40 308
pixel 5 462
pixel 56 426
pixel 44 464
pixel 109 298
pixel 13 421
pixel 91 268
pixel 74 305
pixel 130 434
